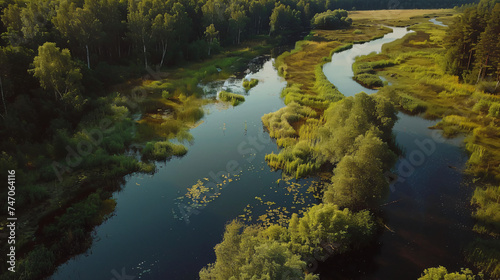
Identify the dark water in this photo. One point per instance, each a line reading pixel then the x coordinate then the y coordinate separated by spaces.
pixel 154 233
pixel 158 232
pixel 428 213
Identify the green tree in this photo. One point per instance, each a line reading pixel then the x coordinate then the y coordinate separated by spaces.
pixel 211 35
pixel 11 18
pixel 488 53
pixel 162 30
pixel 56 72
pixel 36 18
pixel 358 181
pixel 336 19
pixel 284 18
pixel 441 273
pixel 139 25
pixel 238 20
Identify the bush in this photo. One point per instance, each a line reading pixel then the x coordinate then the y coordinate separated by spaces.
pixel 162 150
pixel 369 80
pixel 233 98
pixel 494 110
pixel 250 84
pixel 336 19
pixel 441 273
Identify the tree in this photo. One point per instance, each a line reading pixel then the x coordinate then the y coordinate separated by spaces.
pixel 488 53
pixel 139 25
pixel 162 30
pixel 441 273
pixel 36 18
pixel 358 181
pixel 56 72
pixel 3 74
pixel 11 18
pixel 284 18
pixel 211 35
pixel 336 19
pixel 238 19
pixel 80 25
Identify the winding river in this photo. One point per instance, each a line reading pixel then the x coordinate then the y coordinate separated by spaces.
pixel 166 225
pixel 427 215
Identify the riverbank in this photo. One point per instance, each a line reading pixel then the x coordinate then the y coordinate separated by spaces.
pixel 320 132
pixel 419 85
pixel 128 130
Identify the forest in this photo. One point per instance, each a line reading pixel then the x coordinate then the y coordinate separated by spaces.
pixel 63 62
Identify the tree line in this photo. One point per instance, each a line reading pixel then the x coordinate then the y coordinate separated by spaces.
pixel 473 45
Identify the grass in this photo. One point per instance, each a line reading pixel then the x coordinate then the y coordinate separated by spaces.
pixel 250 84
pixel 61 215
pixel 162 150
pixel 308 94
pixel 233 98
pixel 420 86
pixel 487 213
pixel 369 80
pixel 485 255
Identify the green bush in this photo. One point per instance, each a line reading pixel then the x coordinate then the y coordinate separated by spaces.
pixel 336 19
pixel 233 98
pixel 487 213
pixel 162 150
pixel 250 84
pixel 369 80
pixel 494 110
pixel 441 273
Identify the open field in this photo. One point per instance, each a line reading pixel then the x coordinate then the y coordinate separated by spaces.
pixel 398 17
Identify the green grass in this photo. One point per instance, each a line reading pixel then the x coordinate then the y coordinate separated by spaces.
pixel 162 150
pixel 369 80
pixel 250 84
pixel 487 213
pixel 485 255
pixel 233 98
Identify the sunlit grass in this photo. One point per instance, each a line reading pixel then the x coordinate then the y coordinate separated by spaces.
pixel 233 98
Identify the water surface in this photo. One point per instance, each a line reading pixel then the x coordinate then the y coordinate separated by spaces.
pixel 158 232
pixel 427 215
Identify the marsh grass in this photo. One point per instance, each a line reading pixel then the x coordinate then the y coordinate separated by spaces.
pixel 369 80
pixel 485 255
pixel 420 86
pixel 233 98
pixel 162 150
pixel 250 84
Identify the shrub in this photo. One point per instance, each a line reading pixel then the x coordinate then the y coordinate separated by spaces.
pixel 336 19
pixel 162 150
pixel 369 80
pixel 494 110
pixel 233 98
pixel 250 84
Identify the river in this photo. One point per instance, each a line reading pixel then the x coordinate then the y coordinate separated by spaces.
pixel 428 217
pixel 166 225
pixel 154 234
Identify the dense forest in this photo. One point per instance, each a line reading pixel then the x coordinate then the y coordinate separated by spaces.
pixel 60 62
